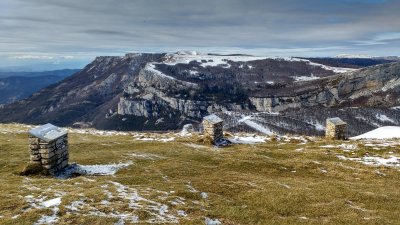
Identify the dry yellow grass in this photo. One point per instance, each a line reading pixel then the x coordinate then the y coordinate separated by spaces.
pixel 276 182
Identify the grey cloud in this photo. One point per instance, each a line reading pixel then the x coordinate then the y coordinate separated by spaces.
pixel 109 26
pixel 106 32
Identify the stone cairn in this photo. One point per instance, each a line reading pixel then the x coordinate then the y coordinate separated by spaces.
pixel 212 126
pixel 336 129
pixel 49 148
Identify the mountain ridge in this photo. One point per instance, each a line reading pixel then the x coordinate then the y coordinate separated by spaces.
pixel 164 91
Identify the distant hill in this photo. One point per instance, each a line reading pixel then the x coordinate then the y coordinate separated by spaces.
pixel 355 63
pixel 18 85
pixel 60 73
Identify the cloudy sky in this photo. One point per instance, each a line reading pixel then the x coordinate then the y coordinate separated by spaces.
pixel 69 33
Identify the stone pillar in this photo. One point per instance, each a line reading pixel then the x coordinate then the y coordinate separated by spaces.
pixel 336 129
pixel 213 128
pixel 52 155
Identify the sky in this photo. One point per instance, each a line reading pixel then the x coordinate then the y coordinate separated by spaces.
pixel 51 34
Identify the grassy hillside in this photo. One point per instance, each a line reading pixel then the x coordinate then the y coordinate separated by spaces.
pixel 286 181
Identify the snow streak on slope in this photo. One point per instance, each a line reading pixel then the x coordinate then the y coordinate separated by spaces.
pixel 384 118
pixel 247 120
pixel 317 125
pixel 152 68
pixel 334 69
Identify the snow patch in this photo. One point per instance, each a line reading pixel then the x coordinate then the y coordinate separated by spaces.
pixel 97 132
pixel 388 132
pixel 75 205
pixel 347 146
pixel 39 203
pixel 163 209
pixel 392 161
pixel 182 213
pixel 145 156
pixel 204 195
pixel 327 146
pixel 121 221
pixel 93 170
pixel 209 221
pixel 158 210
pixel 178 201
pixel 284 185
pixel 317 125
pixel 208 60
pixel 382 144
pixel 247 140
pixel 192 145
pixel 52 219
pixel 165 139
pixel 305 78
pixel 52 202
pixel 187 130
pixel 191 188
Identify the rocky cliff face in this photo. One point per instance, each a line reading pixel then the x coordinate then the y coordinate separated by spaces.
pixel 164 91
pixel 370 87
pixel 373 86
